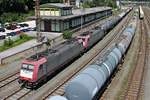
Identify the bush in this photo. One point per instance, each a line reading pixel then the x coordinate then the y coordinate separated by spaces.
pixel 88 4
pixel 8 42
pixel 67 34
pixel 25 37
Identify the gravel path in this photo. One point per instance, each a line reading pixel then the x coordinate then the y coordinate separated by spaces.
pixel 147 72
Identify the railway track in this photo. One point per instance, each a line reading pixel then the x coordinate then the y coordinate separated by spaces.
pixel 59 90
pixel 19 93
pixel 147 17
pixel 9 79
pixel 136 78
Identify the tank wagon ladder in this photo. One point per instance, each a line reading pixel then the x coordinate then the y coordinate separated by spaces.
pixel 59 90
pixel 135 80
pixel 9 79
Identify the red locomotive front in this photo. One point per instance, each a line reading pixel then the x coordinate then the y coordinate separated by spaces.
pixel 31 71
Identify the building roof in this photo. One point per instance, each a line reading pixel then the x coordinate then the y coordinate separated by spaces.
pixel 76 13
pixel 55 5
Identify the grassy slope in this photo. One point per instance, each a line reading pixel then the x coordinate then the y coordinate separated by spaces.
pixel 24 38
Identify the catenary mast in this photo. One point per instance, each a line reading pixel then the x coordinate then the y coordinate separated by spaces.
pixel 38 20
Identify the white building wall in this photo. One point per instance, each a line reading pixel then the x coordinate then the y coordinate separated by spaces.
pixel 42 25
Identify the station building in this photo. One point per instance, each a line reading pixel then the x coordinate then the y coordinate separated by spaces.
pixel 57 17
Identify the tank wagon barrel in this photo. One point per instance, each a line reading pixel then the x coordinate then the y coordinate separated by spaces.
pixel 38 68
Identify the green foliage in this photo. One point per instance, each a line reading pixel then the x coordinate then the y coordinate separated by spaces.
pixel 12 17
pixel 95 3
pixel 88 4
pixel 16 5
pixel 52 1
pixel 24 36
pixel 67 34
pixel 10 43
pixel 18 10
pixel 20 5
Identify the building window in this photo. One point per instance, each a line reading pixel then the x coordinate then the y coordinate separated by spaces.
pixel 62 13
pixel 55 26
pixel 52 12
pixel 69 12
pixel 57 12
pixel 65 13
pixel 66 25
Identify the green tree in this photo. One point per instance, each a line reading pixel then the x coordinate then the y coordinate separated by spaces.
pixel 111 3
pixel 67 34
pixel 88 4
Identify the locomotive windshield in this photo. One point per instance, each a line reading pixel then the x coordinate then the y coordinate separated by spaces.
pixel 28 67
pixel 27 71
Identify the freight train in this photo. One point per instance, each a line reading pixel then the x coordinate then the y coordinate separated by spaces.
pixel 39 67
pixel 90 81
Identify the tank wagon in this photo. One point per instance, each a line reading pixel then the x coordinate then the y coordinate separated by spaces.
pixel 39 67
pixel 141 13
pixel 108 25
pixel 87 84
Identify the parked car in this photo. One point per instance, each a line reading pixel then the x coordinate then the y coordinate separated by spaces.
pixel 2 29
pixel 24 25
pixel 11 27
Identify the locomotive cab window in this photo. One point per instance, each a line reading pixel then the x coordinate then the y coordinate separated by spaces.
pixel 28 67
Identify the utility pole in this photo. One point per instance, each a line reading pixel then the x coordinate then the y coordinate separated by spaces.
pixel 38 19
pixel 82 11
